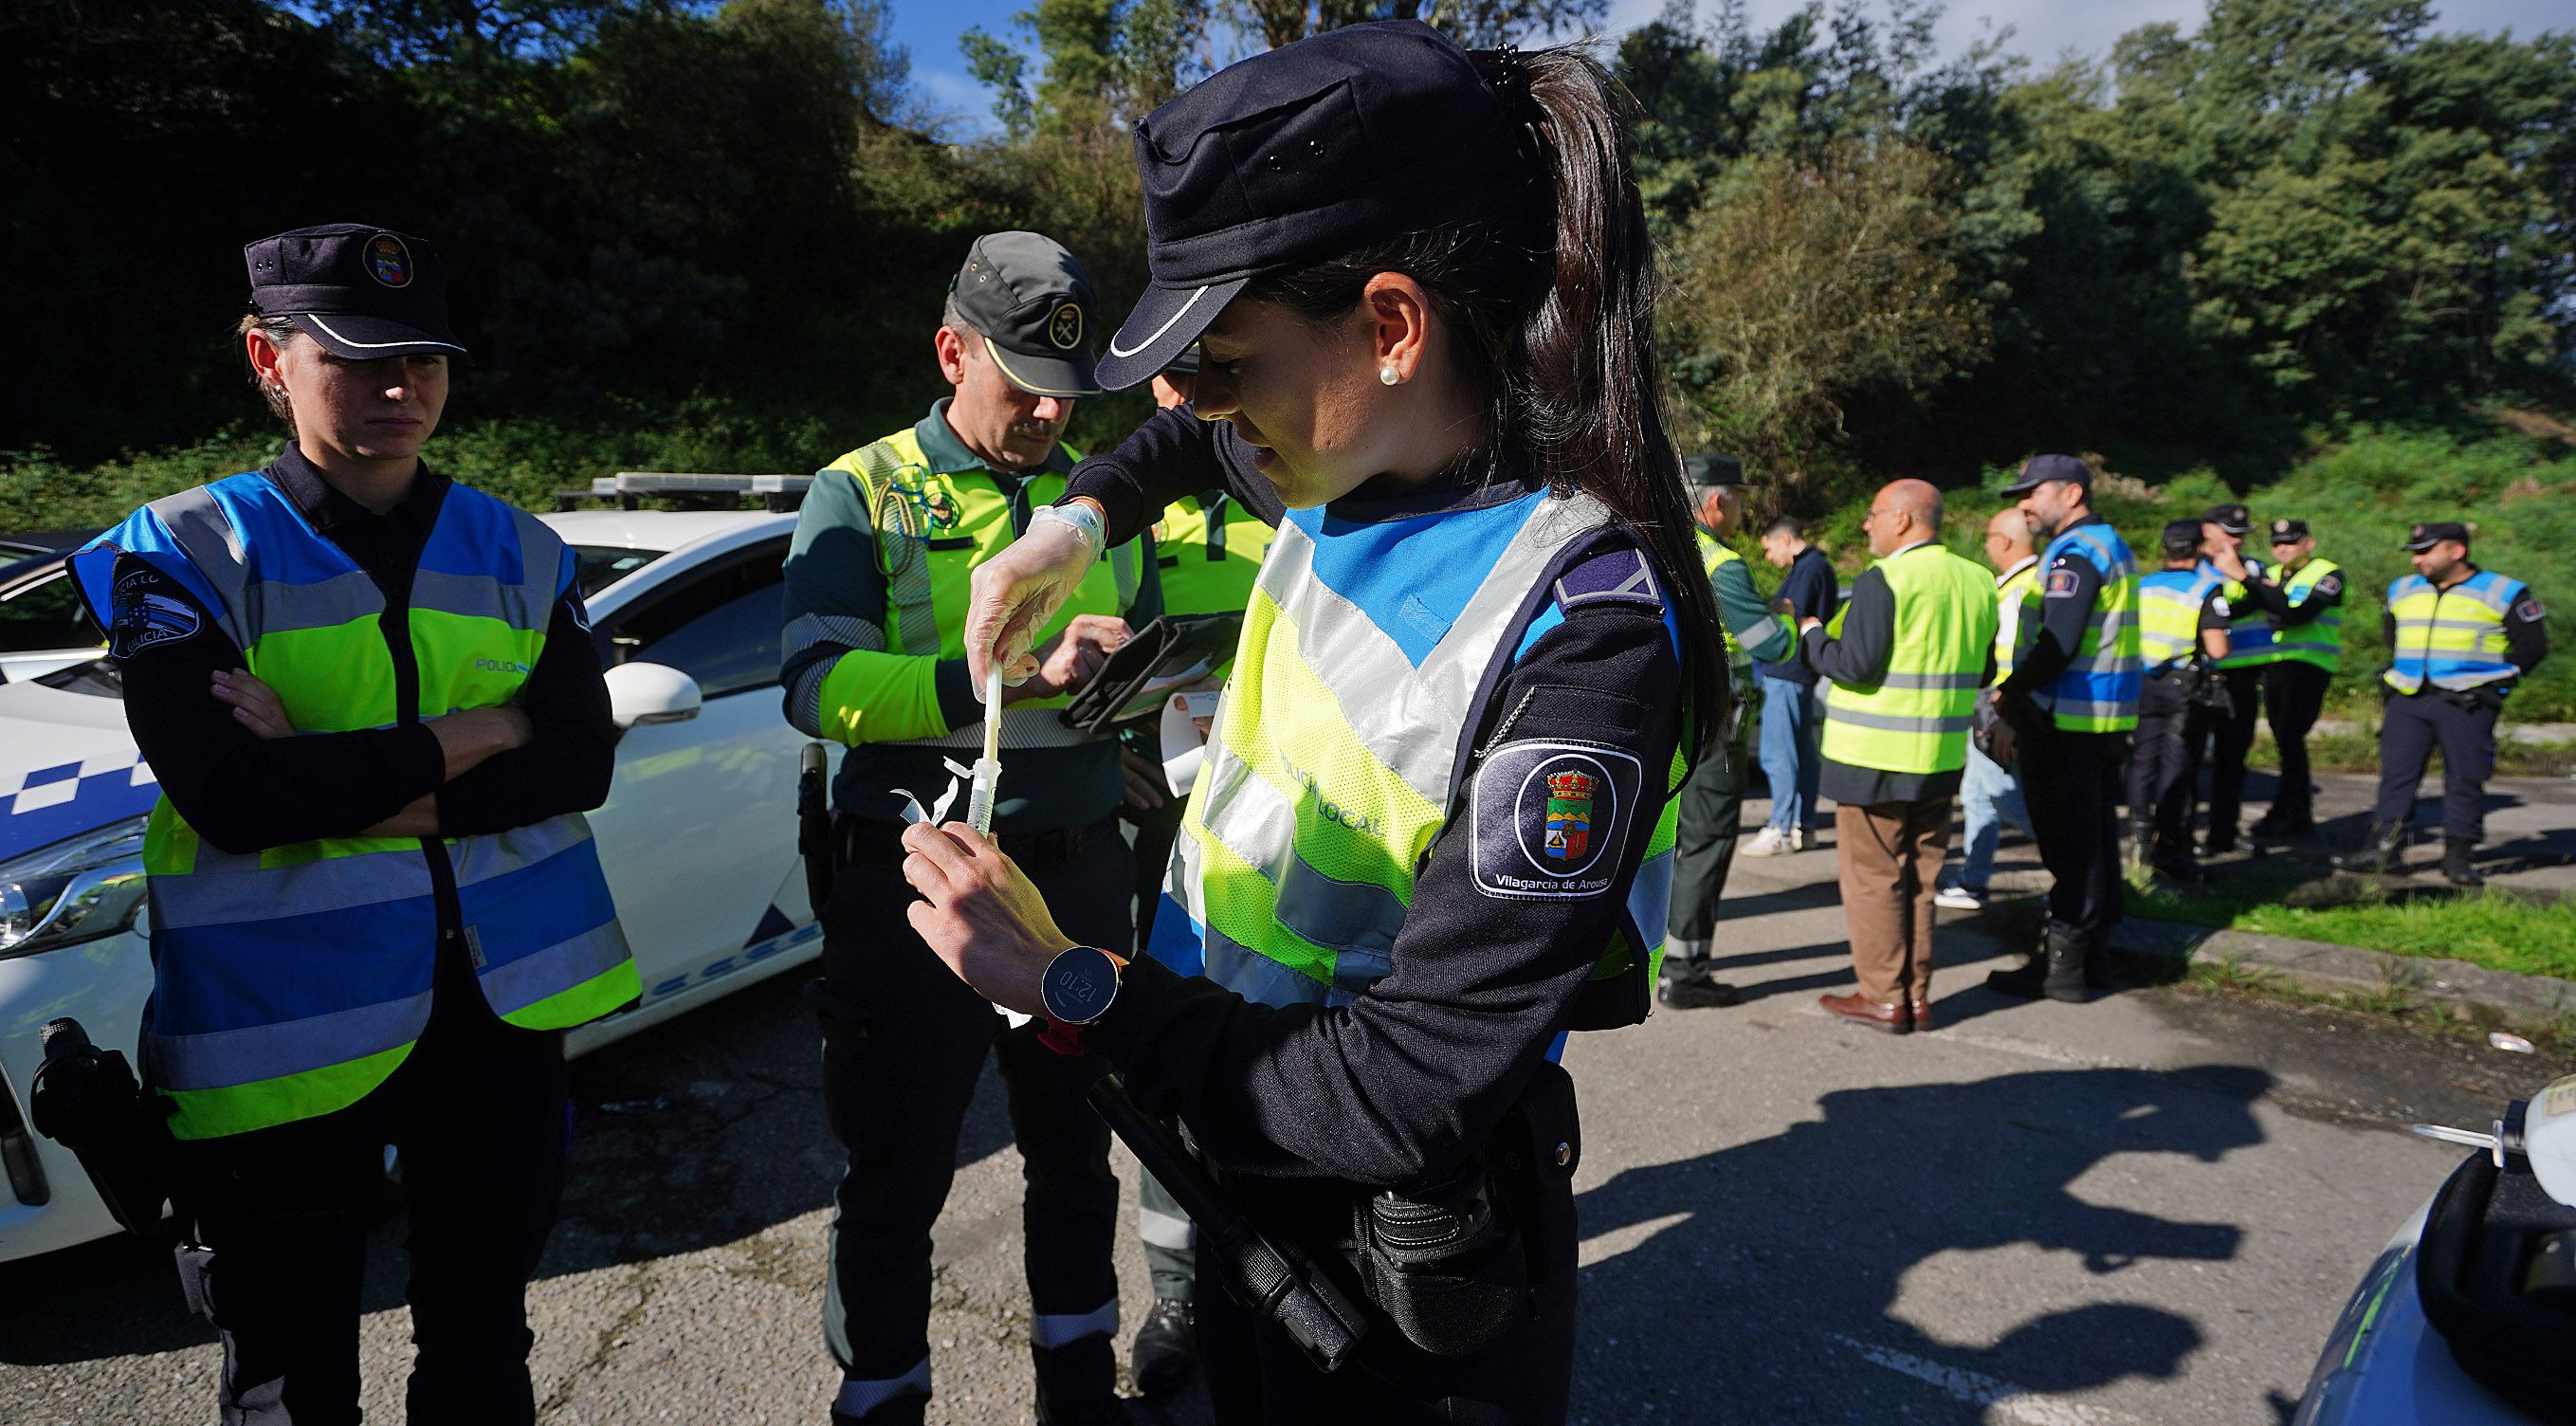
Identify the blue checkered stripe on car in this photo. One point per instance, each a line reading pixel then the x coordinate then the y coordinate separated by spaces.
pixel 41 806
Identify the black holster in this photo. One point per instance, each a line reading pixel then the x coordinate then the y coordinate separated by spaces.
pixel 1455 1268
pixel 87 1100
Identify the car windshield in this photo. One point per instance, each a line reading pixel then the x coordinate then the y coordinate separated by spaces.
pixel 599 566
pixel 99 678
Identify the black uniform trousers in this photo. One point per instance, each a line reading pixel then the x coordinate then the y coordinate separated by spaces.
pixel 1712 813
pixel 2164 764
pixel 2463 726
pixel 904 1041
pixel 2071 782
pixel 2232 736
pixel 276 1250
pixel 2294 693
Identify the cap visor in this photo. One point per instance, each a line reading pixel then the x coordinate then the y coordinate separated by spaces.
pixel 364 338
pixel 1165 321
pixel 1044 375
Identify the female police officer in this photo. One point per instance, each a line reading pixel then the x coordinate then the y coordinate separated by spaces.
pixel 376 715
pixel 1435 826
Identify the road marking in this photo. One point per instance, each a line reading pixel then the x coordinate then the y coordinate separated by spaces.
pixel 2008 1402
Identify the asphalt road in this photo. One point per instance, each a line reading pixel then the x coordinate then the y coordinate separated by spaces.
pixel 2146 1209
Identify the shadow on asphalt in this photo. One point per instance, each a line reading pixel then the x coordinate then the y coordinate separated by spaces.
pixel 695 1133
pixel 1810 1234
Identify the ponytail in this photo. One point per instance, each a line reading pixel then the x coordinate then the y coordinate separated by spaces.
pixel 1549 298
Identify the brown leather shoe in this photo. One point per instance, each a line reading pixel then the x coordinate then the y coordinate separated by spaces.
pixel 1894 1019
pixel 1922 1013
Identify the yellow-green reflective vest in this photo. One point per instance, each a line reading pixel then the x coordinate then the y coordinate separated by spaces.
pixel 2098 690
pixel 1340 752
pixel 2169 603
pixel 1208 549
pixel 2249 630
pixel 1713 556
pixel 1915 718
pixel 933 528
pixel 2011 590
pixel 2451 638
pixel 2320 640
pixel 289 983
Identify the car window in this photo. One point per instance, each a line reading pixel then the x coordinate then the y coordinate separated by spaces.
pixel 46 614
pixel 719 626
pixel 595 567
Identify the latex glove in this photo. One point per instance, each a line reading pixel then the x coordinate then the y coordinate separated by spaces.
pixel 1015 593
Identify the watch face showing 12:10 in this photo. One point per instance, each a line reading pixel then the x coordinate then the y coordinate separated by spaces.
pixel 1078 987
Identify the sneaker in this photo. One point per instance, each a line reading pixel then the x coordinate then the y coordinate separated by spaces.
pixel 1961 898
pixel 1772 842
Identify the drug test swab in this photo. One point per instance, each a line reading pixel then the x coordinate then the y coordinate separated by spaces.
pixel 988 768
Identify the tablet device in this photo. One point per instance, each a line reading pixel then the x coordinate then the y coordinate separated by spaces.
pixel 1167 654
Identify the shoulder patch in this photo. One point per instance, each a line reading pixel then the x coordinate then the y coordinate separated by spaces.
pixel 2529 610
pixel 143 616
pixel 2062 583
pixel 1549 819
pixel 2330 585
pixel 1618 576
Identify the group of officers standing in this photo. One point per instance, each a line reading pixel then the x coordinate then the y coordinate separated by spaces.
pixel 2094 674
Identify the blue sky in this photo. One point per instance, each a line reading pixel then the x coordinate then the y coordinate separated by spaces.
pixel 2043 30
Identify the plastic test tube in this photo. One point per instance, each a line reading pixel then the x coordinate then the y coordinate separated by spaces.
pixel 988 768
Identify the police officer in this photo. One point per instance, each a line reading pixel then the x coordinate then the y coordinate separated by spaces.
pixel 2073 699
pixel 1903 660
pixel 2249 653
pixel 2182 633
pixel 2301 598
pixel 1208 547
pixel 375 904
pixel 875 624
pixel 2459 638
pixel 1713 799
pixel 1436 829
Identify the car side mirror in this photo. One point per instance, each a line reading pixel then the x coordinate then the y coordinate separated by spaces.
pixel 644 693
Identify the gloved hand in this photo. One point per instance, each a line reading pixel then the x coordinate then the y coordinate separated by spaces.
pixel 1016 592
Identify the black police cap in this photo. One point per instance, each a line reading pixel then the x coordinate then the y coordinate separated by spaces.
pixel 2425 537
pixel 2286 531
pixel 2181 537
pixel 2040 470
pixel 2234 519
pixel 1032 303
pixel 1712 470
pixel 363 292
pixel 1304 153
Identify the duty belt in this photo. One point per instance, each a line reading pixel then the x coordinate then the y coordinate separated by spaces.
pixel 862 841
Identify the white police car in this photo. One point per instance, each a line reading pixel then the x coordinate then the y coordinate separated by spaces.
pixel 698 836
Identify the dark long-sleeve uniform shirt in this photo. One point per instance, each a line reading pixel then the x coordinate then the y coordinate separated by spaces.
pixel 2068 588
pixel 1401 1087
pixel 2526 628
pixel 1858 658
pixel 2287 613
pixel 245 793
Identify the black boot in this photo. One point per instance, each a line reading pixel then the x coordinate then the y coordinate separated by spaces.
pixel 2024 981
pixel 2459 863
pixel 2056 972
pixel 2380 851
pixel 1167 1348
pixel 1078 1384
pixel 1687 985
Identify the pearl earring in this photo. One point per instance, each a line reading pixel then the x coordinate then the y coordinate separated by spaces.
pixel 1386 374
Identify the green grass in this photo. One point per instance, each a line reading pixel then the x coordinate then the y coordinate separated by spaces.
pixel 2357 751
pixel 2493 929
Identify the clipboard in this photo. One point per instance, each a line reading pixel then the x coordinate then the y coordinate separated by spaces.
pixel 1166 655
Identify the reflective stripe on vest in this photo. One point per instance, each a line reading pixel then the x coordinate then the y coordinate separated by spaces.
pixel 2010 590
pixel 290 982
pixel 2249 630
pixel 1714 555
pixel 1342 748
pixel 2098 692
pixel 1208 566
pixel 932 529
pixel 1915 719
pixel 2320 640
pixel 2169 603
pixel 2451 638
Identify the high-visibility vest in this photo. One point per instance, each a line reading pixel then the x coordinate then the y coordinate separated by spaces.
pixel 2012 588
pixel 1715 555
pixel 933 528
pixel 1343 744
pixel 2249 630
pixel 2451 638
pixel 2169 602
pixel 1915 718
pixel 1208 549
pixel 288 983
pixel 2098 691
pixel 2320 640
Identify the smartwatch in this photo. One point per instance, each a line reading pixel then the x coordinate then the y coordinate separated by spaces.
pixel 1080 984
